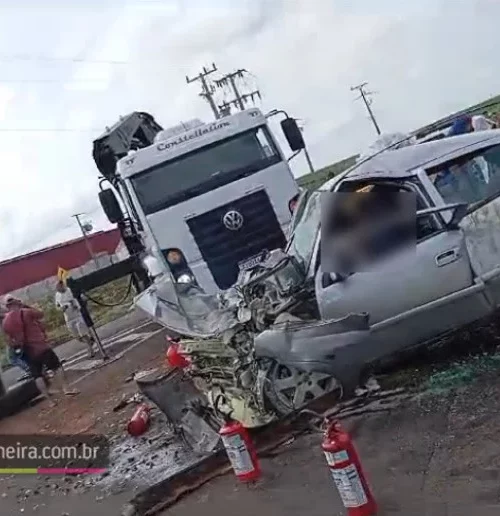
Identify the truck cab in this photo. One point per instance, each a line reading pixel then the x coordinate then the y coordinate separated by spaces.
pixel 209 199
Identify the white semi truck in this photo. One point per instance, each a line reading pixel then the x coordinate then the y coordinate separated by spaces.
pixel 200 201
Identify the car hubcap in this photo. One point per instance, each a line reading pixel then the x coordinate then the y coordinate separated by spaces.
pixel 295 388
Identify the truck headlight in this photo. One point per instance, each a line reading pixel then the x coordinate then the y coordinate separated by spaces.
pixel 185 279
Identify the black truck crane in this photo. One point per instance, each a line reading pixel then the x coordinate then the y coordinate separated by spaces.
pixel 134 131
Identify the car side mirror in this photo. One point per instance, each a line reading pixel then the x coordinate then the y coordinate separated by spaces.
pixel 459 211
pixel 293 134
pixel 111 206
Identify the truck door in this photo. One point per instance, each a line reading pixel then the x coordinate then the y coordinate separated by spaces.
pixel 414 294
pixel 475 179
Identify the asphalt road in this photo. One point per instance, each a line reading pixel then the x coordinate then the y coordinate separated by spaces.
pixel 69 349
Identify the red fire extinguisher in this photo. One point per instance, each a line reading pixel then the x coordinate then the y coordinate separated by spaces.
pixel 140 421
pixel 240 448
pixel 347 472
pixel 175 358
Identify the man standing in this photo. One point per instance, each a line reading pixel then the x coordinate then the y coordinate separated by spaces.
pixel 66 302
pixel 481 123
pixel 24 329
pixel 15 356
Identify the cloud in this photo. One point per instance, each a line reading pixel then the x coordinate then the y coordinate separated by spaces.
pixel 423 58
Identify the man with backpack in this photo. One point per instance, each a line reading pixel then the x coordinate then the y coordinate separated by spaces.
pixel 25 331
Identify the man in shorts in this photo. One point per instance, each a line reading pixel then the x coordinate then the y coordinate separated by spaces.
pixel 25 330
pixel 66 302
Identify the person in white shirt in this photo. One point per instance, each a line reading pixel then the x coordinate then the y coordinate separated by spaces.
pixel 65 301
pixel 481 123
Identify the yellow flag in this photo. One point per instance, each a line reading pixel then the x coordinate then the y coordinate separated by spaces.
pixel 62 274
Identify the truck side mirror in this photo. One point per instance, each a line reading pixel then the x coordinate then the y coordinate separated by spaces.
pixel 293 134
pixel 111 206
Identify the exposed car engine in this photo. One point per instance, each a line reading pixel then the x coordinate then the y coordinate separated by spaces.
pixel 218 335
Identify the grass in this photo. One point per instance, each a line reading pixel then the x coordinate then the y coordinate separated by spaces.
pixel 109 294
pixel 315 180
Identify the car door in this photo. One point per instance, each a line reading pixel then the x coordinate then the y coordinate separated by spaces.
pixel 475 179
pixel 413 295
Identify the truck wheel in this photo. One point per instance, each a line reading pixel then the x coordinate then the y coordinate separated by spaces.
pixel 288 389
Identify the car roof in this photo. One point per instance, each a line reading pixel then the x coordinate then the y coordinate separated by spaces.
pixel 403 162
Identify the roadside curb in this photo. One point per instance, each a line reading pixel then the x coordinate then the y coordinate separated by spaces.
pixel 168 492
pixel 268 442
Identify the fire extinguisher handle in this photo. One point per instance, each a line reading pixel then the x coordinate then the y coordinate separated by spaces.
pixel 319 423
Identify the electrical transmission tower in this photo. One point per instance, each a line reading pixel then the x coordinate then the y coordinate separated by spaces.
pixel 239 99
pixel 365 96
pixel 207 91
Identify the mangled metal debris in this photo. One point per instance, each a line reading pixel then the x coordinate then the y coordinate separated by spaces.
pixel 228 352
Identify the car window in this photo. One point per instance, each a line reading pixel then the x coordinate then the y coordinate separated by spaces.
pixel 425 225
pixel 306 229
pixel 473 178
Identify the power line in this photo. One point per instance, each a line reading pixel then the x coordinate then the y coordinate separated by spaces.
pixel 49 81
pixel 365 96
pixel 207 91
pixel 48 130
pixel 40 58
pixel 240 99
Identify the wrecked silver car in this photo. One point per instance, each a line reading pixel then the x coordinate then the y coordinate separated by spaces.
pixel 289 332
pixel 221 332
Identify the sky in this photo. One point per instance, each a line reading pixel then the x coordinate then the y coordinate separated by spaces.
pixel 69 68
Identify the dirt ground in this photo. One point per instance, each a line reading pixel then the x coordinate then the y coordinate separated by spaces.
pixel 440 456
pixel 92 410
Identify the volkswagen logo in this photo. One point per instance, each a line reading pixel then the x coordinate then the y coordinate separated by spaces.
pixel 233 220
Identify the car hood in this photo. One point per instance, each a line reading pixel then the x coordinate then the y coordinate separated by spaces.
pixel 190 312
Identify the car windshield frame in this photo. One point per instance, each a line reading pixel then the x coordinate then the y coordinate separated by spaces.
pixel 229 166
pixel 302 225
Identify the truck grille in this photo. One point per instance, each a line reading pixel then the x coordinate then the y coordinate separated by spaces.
pixel 222 248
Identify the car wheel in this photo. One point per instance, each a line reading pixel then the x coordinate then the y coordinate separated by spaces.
pixel 288 389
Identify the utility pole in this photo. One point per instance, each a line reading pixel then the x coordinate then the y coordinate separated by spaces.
pixel 207 92
pixel 367 101
pixel 85 236
pixel 306 154
pixel 239 99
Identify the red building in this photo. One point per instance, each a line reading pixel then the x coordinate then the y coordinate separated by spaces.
pixel 31 268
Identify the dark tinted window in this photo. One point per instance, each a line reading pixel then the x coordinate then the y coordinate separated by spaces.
pixel 205 169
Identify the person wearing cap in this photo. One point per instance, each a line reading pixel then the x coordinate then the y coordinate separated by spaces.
pixel 65 301
pixel 25 330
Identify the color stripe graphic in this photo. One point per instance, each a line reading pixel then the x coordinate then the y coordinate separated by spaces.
pixel 52 471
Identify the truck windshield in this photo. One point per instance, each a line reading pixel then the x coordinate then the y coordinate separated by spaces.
pixel 205 169
pixel 306 229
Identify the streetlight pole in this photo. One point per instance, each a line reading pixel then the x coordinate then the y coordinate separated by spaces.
pixel 85 236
